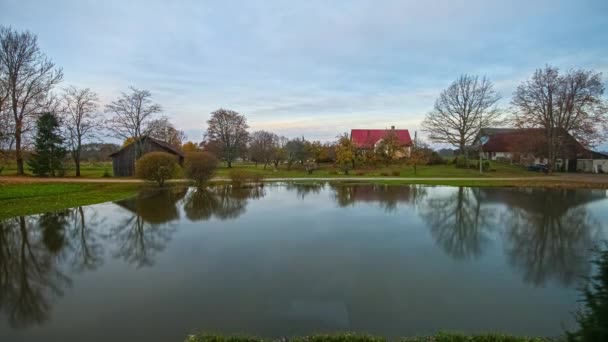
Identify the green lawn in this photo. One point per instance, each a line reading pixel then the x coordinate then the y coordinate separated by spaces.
pixel 18 199
pixel 87 169
pixel 327 170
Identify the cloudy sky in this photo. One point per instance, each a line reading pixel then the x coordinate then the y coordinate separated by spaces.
pixel 312 68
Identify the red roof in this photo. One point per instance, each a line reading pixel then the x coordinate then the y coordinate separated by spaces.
pixel 367 138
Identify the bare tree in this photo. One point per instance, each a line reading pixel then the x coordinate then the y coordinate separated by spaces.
pixel 559 104
pixel 132 113
pixel 29 77
pixel 467 105
pixel 228 129
pixel 80 117
pixel 163 129
pixel 262 146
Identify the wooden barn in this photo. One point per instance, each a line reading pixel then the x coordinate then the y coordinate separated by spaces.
pixel 123 160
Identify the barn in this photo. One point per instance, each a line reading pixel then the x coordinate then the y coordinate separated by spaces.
pixel 123 160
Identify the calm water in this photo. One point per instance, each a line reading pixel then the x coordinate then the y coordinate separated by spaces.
pixel 291 260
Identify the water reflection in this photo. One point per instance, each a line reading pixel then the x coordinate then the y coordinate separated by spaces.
pixel 550 235
pixel 539 236
pixel 388 197
pixel 222 202
pixel 29 275
pixel 143 233
pixel 459 223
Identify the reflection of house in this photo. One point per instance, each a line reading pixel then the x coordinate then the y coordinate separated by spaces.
pixel 123 160
pixel 370 139
pixel 528 146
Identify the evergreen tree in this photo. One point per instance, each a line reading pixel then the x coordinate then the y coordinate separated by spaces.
pixel 593 319
pixel 50 152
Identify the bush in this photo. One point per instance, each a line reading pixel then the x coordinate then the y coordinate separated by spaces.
pixel 395 173
pixel 460 162
pixel 240 177
pixel 593 318
pixel 360 173
pixel 384 174
pixel 310 167
pixel 486 165
pixel 156 166
pixel 435 159
pixel 106 174
pixel 200 167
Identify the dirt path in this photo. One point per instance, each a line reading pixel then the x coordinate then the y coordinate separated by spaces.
pixel 585 178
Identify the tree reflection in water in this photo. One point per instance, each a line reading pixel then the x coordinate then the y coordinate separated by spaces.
pixel 550 234
pixel 388 197
pixel 222 202
pixel 146 231
pixel 459 223
pixel 304 189
pixel 29 274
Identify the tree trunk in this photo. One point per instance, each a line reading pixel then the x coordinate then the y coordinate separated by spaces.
pixel 229 163
pixel 18 152
pixel 77 158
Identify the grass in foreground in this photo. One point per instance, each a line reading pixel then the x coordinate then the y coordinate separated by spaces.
pixel 17 199
pixel 441 337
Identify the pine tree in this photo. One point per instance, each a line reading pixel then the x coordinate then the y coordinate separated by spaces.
pixel 50 152
pixel 593 320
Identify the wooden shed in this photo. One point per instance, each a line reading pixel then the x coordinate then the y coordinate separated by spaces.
pixel 123 160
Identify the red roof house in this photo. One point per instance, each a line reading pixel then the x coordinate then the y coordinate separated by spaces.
pixel 368 138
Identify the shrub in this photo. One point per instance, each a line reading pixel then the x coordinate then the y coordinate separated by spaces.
pixel 332 172
pixel 593 319
pixel 460 162
pixel 395 173
pixel 486 165
pixel 106 174
pixel 435 159
pixel 310 167
pixel 384 174
pixel 240 177
pixel 200 167
pixel 360 173
pixel 156 166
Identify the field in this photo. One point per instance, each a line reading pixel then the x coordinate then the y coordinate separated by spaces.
pixel 18 199
pixel 87 169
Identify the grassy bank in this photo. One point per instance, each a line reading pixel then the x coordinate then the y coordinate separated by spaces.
pixel 398 170
pixel 18 199
pixel 441 337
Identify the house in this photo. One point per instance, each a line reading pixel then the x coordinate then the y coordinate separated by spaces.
pixel 123 160
pixel 369 139
pixel 528 146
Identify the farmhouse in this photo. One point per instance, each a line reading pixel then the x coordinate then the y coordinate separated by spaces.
pixel 123 160
pixel 528 146
pixel 369 139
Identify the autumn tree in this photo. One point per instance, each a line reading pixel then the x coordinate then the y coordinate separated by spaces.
pixel 279 153
pixel 297 151
pixel 163 130
pixel 461 110
pixel 28 77
pixel 570 103
pixel 345 153
pixel 228 130
pixel 389 147
pixel 419 154
pixel 200 167
pixel 132 114
pixel 81 119
pixel 190 146
pixel 261 146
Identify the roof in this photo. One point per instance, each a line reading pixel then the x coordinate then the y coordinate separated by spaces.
pixel 369 137
pixel 161 143
pixel 530 140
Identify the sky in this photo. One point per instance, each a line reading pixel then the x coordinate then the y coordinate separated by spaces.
pixel 309 68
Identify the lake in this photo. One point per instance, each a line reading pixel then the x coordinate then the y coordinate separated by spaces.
pixel 287 259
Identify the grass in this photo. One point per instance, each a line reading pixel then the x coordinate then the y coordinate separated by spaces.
pixel 441 337
pixel 399 170
pixel 87 169
pixel 18 199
